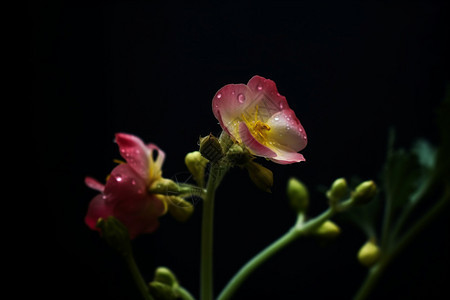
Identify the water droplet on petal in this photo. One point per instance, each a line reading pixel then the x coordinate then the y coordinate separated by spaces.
pixel 104 197
pixel 281 105
pixel 219 96
pixel 277 118
pixel 133 182
pixel 241 98
pixel 259 88
pixel 301 130
pixel 118 178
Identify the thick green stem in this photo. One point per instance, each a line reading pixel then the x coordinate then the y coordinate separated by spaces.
pixel 140 282
pixel 206 263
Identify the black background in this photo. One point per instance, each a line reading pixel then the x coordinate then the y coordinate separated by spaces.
pixel 350 71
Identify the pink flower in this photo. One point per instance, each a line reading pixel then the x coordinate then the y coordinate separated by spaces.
pixel 258 117
pixel 125 194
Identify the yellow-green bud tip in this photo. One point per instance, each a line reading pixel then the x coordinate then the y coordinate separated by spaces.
pixel 196 164
pixel 328 230
pixel 369 253
pixel 337 191
pixel 261 176
pixel 364 192
pixel 297 194
pixel 164 275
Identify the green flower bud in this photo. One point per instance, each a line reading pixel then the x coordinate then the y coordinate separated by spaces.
pixel 298 195
pixel 328 230
pixel 261 176
pixel 196 164
pixel 337 191
pixel 179 208
pixel 364 192
pixel 165 276
pixel 369 253
pixel 210 148
pixel 115 234
pixel 162 291
pixel 164 186
pixel 238 155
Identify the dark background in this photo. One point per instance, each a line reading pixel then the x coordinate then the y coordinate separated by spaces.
pixel 349 70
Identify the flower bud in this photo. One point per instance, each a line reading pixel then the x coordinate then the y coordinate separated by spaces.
pixel 210 148
pixel 179 208
pixel 165 276
pixel 164 186
pixel 297 194
pixel 364 192
pixel 328 230
pixel 337 191
pixel 115 234
pixel 261 176
pixel 238 155
pixel 196 164
pixel 162 291
pixel 369 253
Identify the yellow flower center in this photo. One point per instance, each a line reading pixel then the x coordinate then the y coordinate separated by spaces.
pixel 257 128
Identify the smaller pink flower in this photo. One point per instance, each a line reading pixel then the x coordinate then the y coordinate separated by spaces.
pixel 258 117
pixel 125 194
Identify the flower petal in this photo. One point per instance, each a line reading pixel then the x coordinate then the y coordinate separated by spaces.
pixel 228 105
pixel 266 95
pixel 155 166
pixel 135 152
pixel 97 209
pixel 287 131
pixel 285 157
pixel 94 184
pixel 254 146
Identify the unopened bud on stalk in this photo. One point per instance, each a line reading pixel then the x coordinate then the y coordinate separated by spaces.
pixel 298 195
pixel 164 186
pixel 337 191
pixel 261 176
pixel 164 275
pixel 364 192
pixel 369 253
pixel 210 148
pixel 196 165
pixel 115 234
pixel 328 230
pixel 179 208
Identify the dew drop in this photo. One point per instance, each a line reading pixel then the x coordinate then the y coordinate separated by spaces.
pixel 104 197
pixel 277 118
pixel 301 130
pixel 133 182
pixel 118 178
pixel 281 105
pixel 259 88
pixel 219 96
pixel 241 98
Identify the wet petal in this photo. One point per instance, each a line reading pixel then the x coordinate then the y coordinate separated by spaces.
pixel 228 105
pixel 287 131
pixel 135 152
pixel 254 146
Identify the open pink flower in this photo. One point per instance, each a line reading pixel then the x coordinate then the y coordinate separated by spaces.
pixel 125 194
pixel 258 117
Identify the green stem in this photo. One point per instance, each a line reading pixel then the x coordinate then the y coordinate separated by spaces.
pixel 140 282
pixel 300 228
pixel 206 263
